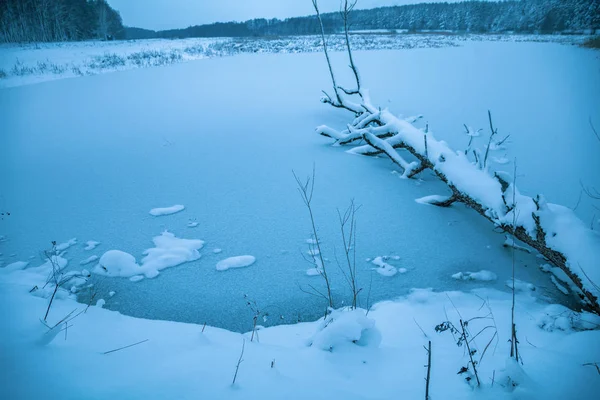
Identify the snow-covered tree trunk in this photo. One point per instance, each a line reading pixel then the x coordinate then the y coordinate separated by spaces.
pixel 554 231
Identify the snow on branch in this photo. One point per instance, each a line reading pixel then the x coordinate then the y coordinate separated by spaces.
pixel 554 231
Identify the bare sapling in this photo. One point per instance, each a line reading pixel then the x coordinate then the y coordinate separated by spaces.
pixel 428 378
pixel 348 232
pixel 514 342
pixel 338 102
pixel 306 190
pixel 346 8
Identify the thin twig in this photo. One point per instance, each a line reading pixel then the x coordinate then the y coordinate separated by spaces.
pixel 125 347
pixel 237 367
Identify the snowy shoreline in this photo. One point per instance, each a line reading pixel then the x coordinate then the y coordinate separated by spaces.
pixel 25 64
pixel 101 354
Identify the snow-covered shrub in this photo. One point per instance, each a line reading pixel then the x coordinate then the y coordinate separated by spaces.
pixel 107 60
pixel 20 69
pixel 346 327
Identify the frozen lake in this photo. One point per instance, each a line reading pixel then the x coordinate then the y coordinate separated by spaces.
pixel 90 157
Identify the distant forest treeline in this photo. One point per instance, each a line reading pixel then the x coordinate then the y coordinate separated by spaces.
pixel 527 16
pixel 58 20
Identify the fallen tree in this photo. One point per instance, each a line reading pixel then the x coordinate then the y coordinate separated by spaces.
pixel 554 231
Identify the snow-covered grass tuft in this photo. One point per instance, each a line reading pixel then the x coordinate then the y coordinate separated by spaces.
pixel 344 327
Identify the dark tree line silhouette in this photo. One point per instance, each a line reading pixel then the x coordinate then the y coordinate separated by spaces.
pixel 525 16
pixel 58 20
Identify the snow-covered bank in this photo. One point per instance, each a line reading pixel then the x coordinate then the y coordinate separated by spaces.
pixel 102 354
pixel 39 62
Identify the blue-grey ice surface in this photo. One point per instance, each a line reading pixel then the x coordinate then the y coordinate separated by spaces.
pixel 90 157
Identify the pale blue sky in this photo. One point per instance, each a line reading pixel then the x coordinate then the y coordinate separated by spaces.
pixel 168 14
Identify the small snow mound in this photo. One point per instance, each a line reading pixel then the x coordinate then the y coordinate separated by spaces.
pixel 100 303
pixel 91 245
pixel 520 285
pixel 88 260
pixel 66 245
pixel 313 272
pixel 157 212
pixel 344 327
pixel 235 262
pixel 432 200
pixel 16 266
pixel 169 251
pixel 384 268
pixel 482 275
pixel 117 263
pixel 217 251
pixel 192 224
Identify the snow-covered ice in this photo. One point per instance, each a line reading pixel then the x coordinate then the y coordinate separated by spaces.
pixel 235 262
pixel 258 209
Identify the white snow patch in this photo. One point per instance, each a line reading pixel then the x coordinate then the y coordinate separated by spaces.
pixel 89 260
pixel 482 275
pixel 520 285
pixel 91 245
pixel 235 262
pixel 157 212
pixel 431 200
pixel 384 268
pixel 66 245
pixel 560 287
pixel 15 266
pixel 169 251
